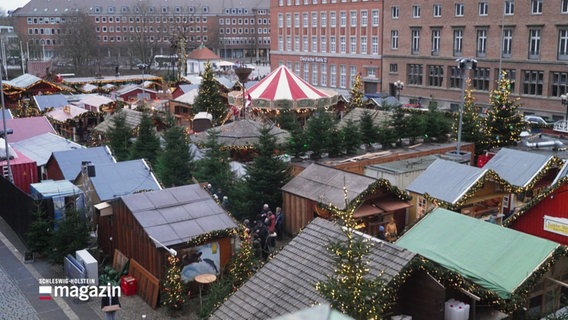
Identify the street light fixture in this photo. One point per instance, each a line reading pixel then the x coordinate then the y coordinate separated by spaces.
pixel 243 73
pixel 564 101
pixel 143 66
pixel 399 85
pixel 464 64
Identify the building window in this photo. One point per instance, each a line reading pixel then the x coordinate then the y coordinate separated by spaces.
pixel 352 74
pixel 288 20
pixel 315 74
pixel 297 43
pixel 481 47
pixel 459 9
pixel 342 44
pixel 374 45
pixel 332 75
pixel 307 71
pixel 288 43
pixel 323 44
pixel 323 19
pixel 415 48
pixel 483 8
pixel 305 19
pixel 435 75
pixel 305 43
pixel 563 44
pixel 332 19
pixel 394 39
pixel 296 20
pixel 364 18
pixel 559 83
pixel 280 21
pixel 280 43
pixel 534 43
pixel 352 44
pixel 323 73
pixel 395 11
pixel 536 6
pixel 507 43
pixel 371 72
pixel 353 18
pixel 363 45
pixel 393 68
pixel 314 19
pixel 416 11
pixel 509 7
pixel 509 74
pixel 564 6
pixel 332 45
pixel 458 42
pixel 342 18
pixel 480 79
pixel 415 73
pixel 314 44
pixel 437 10
pixel 436 36
pixel 532 82
pixel 342 76
pixel 375 18
pixel 455 77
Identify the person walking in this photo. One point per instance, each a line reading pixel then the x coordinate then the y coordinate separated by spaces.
pixel 110 305
pixel 279 223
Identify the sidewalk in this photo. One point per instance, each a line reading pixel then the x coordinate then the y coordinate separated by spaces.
pixel 19 296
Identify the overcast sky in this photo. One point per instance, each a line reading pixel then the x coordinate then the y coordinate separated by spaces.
pixel 6 5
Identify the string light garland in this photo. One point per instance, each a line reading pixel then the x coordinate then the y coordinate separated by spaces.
pixel 173 289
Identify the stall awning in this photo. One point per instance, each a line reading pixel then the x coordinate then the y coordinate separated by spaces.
pixel 390 205
pixel 367 210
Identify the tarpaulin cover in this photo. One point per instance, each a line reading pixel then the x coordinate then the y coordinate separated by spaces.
pixel 493 257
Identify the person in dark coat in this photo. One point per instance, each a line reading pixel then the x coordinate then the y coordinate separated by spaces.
pixel 110 301
pixel 261 233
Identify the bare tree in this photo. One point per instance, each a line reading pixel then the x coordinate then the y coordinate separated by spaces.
pixel 78 40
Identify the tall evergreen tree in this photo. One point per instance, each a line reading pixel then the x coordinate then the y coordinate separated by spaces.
pixel 439 126
pixel 318 132
pixel 504 122
pixel 336 145
pixel 209 97
pixel 357 95
pixel 399 123
pixel 351 137
pixel 147 144
pixel 297 143
pixel 41 231
pixel 416 126
pixel 350 289
pixel 175 162
pixel 265 176
pixel 119 136
pixel 473 124
pixel 71 234
pixel 287 120
pixel 214 167
pixel 367 129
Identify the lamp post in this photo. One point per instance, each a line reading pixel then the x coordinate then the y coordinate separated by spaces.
pixel 399 85
pixel 243 73
pixel 143 66
pixel 464 64
pixel 5 131
pixel 564 101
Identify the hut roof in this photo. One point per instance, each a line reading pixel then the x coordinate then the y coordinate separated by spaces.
pixel 133 119
pixel 40 147
pixel 241 133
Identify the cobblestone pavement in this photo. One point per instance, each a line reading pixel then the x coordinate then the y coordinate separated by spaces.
pixel 14 305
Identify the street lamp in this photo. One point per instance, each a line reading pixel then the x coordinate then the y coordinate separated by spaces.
pixel 243 73
pixel 464 64
pixel 399 85
pixel 143 66
pixel 564 101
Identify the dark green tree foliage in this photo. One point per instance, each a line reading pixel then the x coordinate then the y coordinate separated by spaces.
pixel 368 129
pixel 399 123
pixel 351 137
pixel 72 234
pixel 209 97
pixel 265 176
pixel 175 162
pixel 287 120
pixel 504 122
pixel 473 124
pixel 119 137
pixel 215 168
pixel 318 132
pixel 297 143
pixel 147 144
pixel 337 143
pixel 416 126
pixel 439 126
pixel 386 135
pixel 41 231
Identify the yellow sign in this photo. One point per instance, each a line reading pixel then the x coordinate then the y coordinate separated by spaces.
pixel 556 225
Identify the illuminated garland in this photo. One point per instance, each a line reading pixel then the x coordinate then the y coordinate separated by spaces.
pixel 212 235
pixel 174 297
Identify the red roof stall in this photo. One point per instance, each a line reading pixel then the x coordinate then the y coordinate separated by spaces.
pixel 24 171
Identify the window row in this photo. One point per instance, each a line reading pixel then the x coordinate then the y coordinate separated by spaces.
pixel 150 38
pixel 289 3
pixel 329 75
pixel 151 9
pixel 42 20
pixel 111 29
pixel 534 42
pixel 240 21
pixel 508 8
pixel 531 81
pixel 331 44
pixel 353 18
pixel 241 30
pixel 151 19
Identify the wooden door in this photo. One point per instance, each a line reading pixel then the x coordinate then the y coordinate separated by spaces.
pixel 423 297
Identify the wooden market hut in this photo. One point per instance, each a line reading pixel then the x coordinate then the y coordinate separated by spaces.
pixel 318 187
pixel 287 282
pixel 67 164
pixel 146 226
pixel 490 267
pixel 27 85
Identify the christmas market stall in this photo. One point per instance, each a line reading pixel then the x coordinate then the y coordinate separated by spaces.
pixel 240 137
pixel 186 222
pixel 319 188
pixel 72 122
pixel 488 267
pixel 24 128
pixel 283 90
pixel 27 86
pixel 67 164
pixel 287 282
pixel 473 191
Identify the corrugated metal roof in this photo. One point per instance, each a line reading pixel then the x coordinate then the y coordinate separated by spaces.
pixel 70 161
pixel 518 167
pixel 446 180
pixel 45 101
pixel 40 148
pixel 176 215
pixel 188 97
pixel 51 188
pixel 28 127
pixel 286 283
pixel 243 132
pixel 113 180
pixel 495 258
pixel 325 184
pixel 133 119
pixel 24 81
pixel 404 166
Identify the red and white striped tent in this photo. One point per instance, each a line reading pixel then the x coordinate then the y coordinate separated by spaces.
pixel 282 89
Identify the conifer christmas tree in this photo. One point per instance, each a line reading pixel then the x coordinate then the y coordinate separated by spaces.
pixel 173 290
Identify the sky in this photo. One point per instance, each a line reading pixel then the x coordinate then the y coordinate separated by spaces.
pixel 6 5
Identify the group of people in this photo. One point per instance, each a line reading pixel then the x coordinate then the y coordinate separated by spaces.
pixel 266 229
